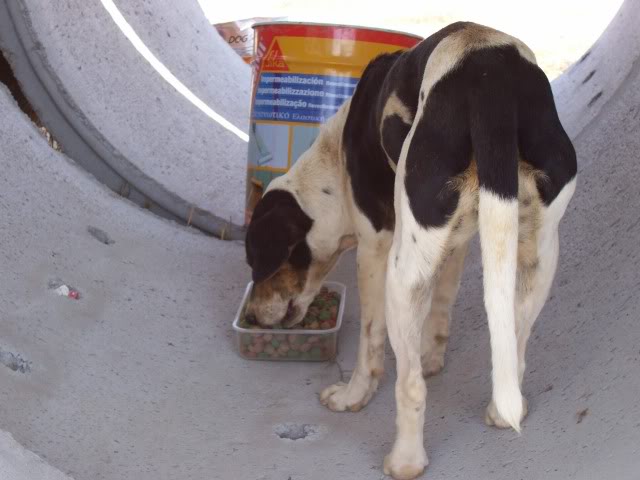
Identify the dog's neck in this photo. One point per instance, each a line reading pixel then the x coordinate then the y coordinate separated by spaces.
pixel 319 182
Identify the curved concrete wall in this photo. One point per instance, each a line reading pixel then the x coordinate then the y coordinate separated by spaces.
pixel 16 463
pixel 139 378
pixel 151 138
pixel 603 72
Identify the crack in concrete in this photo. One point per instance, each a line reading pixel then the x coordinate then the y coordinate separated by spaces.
pixel 296 431
pixel 343 373
pixel 100 235
pixel 14 362
pixel 54 283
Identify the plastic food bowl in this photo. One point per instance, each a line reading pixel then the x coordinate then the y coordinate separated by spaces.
pixel 289 344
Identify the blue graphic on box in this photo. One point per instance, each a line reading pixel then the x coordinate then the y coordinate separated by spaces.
pixel 293 97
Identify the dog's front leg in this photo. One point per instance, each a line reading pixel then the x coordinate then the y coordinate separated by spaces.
pixel 372 261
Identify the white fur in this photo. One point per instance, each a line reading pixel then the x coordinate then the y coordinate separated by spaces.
pixel 372 254
pixel 498 223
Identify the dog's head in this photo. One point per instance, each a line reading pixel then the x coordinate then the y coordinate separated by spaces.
pixel 287 273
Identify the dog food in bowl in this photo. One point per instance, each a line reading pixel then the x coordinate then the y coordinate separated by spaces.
pixel 314 339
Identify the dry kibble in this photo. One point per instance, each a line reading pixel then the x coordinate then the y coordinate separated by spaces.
pixel 321 315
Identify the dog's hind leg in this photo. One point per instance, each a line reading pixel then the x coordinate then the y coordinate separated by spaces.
pixel 372 261
pixel 414 261
pixel 538 250
pixel 427 207
pixel 435 332
pixel 421 245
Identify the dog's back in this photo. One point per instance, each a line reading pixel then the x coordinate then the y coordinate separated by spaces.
pixel 468 58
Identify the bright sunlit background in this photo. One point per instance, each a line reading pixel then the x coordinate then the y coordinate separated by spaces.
pixel 558 31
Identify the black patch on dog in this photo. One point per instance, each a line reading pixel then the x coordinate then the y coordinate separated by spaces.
pixel 276 234
pixel 405 78
pixel 433 159
pixel 327 190
pixel 300 257
pixel 542 140
pixel 494 105
pixel 490 75
pixel 589 77
pixel 372 179
pixel 440 149
pixel 394 131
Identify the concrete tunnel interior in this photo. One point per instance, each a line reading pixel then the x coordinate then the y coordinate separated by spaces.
pixel 140 378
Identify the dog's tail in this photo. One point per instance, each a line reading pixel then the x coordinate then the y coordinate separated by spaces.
pixel 494 137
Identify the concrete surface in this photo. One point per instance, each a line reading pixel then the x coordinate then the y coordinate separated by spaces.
pixel 106 104
pixel 139 377
pixel 16 463
pixel 606 69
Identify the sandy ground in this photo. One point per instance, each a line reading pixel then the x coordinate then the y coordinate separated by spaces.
pixel 558 39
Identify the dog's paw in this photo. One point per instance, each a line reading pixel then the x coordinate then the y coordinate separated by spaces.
pixel 405 465
pixel 493 418
pixel 432 364
pixel 353 396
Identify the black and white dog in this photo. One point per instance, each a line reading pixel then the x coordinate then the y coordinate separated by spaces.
pixel 456 135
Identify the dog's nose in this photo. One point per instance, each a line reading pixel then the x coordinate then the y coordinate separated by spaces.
pixel 251 319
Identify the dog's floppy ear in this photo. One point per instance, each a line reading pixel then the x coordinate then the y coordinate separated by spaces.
pixel 277 225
